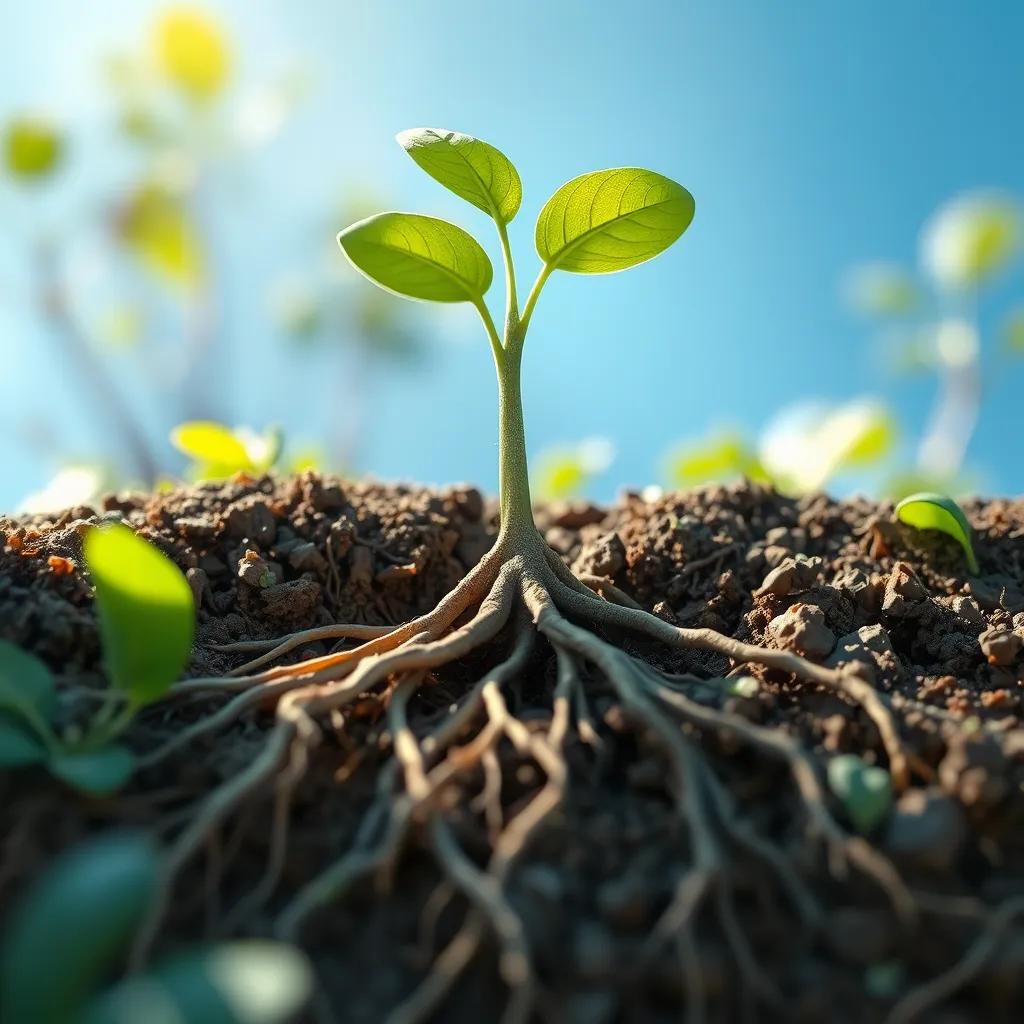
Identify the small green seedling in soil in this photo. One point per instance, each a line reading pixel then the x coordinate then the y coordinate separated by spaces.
pixel 598 223
pixel 146 617
pixel 864 790
pixel 218 451
pixel 929 511
pixel 73 929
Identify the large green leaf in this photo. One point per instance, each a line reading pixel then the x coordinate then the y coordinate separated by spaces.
pixel 472 169
pixel 19 746
pixel 146 610
pixel 97 772
pixel 929 511
pixel 73 926
pixel 611 220
pixel 418 257
pixel 247 982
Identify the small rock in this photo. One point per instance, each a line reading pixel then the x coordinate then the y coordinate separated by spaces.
pixel 252 518
pixel 604 555
pixel 256 571
pixel 864 589
pixel 968 610
pixel 869 645
pixel 1000 645
pixel 791 576
pixel 903 590
pixel 802 629
pixel 306 557
pixel 927 829
pixel 291 604
pixel 974 770
pixel 199 582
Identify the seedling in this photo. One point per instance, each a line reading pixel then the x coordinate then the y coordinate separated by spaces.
pixel 598 223
pixel 929 511
pixel 75 925
pixel 146 616
pixel 218 451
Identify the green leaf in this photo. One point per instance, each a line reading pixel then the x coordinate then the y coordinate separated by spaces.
pixel 146 611
pixel 418 257
pixel 865 790
pixel 209 442
pixel 97 772
pixel 611 220
pixel 32 147
pixel 246 982
pixel 473 170
pixel 73 926
pixel 929 511
pixel 19 746
pixel 25 681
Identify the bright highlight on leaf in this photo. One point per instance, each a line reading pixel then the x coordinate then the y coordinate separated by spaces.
pixel 607 221
pixel 213 445
pixel 73 927
pixel 146 612
pixel 929 511
pixel 32 147
pixel 473 170
pixel 192 52
pixel 418 257
pixel 564 473
pixel 865 790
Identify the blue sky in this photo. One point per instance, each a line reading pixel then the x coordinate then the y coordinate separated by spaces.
pixel 813 136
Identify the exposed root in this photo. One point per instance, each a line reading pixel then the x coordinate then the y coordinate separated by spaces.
pixel 521 596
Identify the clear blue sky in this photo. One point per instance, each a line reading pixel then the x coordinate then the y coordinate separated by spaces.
pixel 812 135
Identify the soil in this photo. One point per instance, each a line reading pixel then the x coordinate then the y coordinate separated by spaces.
pixel 794 937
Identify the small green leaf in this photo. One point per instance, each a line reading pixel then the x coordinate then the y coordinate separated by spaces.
pixel 72 927
pixel 865 790
pixel 418 257
pixel 472 169
pixel 928 511
pixel 97 772
pixel 211 443
pixel 19 746
pixel 32 147
pixel 245 982
pixel 25 681
pixel 146 612
pixel 611 220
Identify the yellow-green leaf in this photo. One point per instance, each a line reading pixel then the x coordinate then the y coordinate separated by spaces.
pixel 146 611
pixel 418 257
pixel 865 790
pixel 192 52
pixel 211 443
pixel 472 169
pixel 158 230
pixel 611 220
pixel 32 147
pixel 929 511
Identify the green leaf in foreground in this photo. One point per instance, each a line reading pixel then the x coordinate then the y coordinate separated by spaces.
pixel 472 169
pixel 246 982
pixel 98 772
pixel 73 926
pixel 418 257
pixel 611 220
pixel 865 790
pixel 929 511
pixel 146 612
pixel 28 701
pixel 19 746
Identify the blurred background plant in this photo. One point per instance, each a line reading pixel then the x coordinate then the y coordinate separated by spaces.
pixel 169 253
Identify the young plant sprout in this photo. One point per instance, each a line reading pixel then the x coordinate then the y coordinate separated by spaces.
pixel 521 590
pixel 218 451
pixel 147 616
pixel 929 511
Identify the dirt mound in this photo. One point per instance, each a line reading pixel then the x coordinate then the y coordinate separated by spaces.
pixel 792 934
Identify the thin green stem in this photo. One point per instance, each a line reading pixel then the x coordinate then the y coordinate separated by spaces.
pixel 492 333
pixel 511 299
pixel 531 300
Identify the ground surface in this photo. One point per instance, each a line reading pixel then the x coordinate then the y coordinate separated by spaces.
pixel 266 558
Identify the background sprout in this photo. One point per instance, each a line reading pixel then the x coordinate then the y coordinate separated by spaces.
pixel 192 52
pixel 882 290
pixel 33 147
pixel 218 451
pixel 566 472
pixel 929 511
pixel 718 458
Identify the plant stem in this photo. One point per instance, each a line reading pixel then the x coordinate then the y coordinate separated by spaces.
pixel 511 300
pixel 513 468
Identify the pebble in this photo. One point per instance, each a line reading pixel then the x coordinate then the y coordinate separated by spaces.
pixel 926 828
pixel 791 576
pixel 1000 645
pixel 802 628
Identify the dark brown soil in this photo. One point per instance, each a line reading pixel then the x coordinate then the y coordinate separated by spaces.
pixel 267 557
